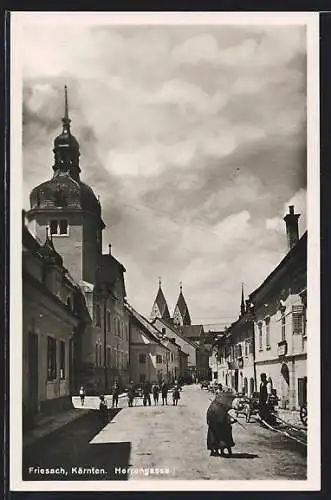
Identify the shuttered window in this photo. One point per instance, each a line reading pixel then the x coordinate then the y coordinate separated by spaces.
pixel 297 319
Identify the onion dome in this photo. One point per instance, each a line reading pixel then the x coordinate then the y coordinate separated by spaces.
pixel 65 189
pixel 66 146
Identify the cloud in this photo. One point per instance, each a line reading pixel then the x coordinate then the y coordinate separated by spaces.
pixel 194 138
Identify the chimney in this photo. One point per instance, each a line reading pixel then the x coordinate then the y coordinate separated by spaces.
pixel 109 249
pixel 292 229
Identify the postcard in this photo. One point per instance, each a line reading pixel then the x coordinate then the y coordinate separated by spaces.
pixel 164 312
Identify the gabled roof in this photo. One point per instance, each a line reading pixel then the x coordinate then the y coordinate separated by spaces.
pixel 294 253
pixel 183 309
pixel 110 270
pixel 191 331
pixel 150 330
pixel 161 303
pixel 176 331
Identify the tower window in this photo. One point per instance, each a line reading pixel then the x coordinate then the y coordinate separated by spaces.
pixel 59 227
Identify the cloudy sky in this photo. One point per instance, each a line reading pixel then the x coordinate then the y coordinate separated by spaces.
pixel 193 136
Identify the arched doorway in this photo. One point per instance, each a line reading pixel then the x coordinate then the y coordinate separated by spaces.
pixel 245 386
pixel 251 386
pixel 285 386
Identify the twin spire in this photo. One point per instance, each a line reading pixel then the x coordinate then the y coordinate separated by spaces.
pixel 160 307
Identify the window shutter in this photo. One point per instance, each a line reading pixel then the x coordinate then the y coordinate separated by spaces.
pixel 297 319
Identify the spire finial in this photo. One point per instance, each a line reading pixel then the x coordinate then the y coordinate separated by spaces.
pixel 66 120
pixel 242 305
pixel 160 282
pixel 180 286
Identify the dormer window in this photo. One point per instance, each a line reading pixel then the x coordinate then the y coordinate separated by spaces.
pixel 59 227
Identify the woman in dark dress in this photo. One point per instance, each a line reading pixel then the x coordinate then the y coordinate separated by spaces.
pixel 219 423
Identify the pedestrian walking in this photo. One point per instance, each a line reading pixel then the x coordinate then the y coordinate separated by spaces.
pixel 156 392
pixel 116 393
pixel 175 395
pixel 82 395
pixel 219 436
pixel 131 394
pixel 263 398
pixel 103 410
pixel 147 394
pixel 164 393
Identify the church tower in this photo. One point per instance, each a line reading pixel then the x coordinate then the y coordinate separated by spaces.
pixel 69 208
pixel 181 313
pixel 160 306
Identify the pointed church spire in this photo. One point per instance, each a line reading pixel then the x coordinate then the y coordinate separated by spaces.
pixel 160 306
pixel 242 305
pixel 181 312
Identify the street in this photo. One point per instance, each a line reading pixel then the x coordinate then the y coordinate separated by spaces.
pixel 161 443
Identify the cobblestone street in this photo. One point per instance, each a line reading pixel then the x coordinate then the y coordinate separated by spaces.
pixel 169 438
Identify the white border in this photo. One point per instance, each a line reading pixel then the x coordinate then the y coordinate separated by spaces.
pixel 18 19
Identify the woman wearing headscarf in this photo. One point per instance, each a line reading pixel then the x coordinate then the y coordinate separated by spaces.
pixel 219 423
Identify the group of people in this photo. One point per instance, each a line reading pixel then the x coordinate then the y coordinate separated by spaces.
pixel 154 389
pixel 266 399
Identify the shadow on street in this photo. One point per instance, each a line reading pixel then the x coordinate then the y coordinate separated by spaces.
pixel 66 455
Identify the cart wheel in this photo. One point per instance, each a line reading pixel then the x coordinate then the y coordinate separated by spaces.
pixel 303 415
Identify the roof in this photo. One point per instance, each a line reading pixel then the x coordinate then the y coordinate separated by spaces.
pixel 150 330
pixel 162 304
pixel 177 332
pixel 183 309
pixel 111 270
pixel 300 247
pixel 191 331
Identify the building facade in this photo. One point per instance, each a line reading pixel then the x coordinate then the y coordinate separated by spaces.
pixel 54 318
pixel 69 209
pixel 149 357
pixel 280 321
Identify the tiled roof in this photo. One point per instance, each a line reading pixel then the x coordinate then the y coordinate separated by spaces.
pixel 176 331
pixel 191 331
pixel 183 309
pixel 150 329
pixel 162 304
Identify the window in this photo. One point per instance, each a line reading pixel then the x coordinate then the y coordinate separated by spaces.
pixel 260 335
pixel 108 356
pixel 62 359
pixel 142 377
pixel 108 321
pixel 215 375
pixel 51 358
pixel 267 332
pixel 297 319
pixel 163 331
pixel 142 359
pixel 159 358
pixel 59 227
pixel 283 324
pixel 97 315
pixel 246 349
